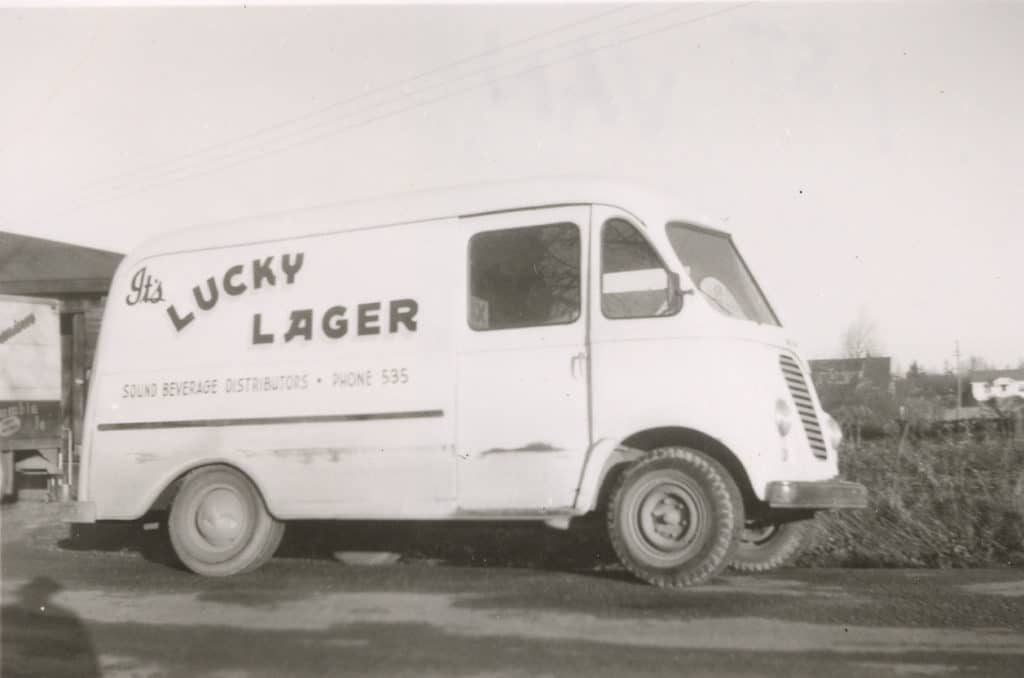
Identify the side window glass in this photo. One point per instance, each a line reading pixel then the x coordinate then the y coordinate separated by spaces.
pixel 524 277
pixel 634 282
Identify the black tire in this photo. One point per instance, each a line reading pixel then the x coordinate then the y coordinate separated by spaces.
pixel 770 546
pixel 270 546
pixel 219 525
pixel 675 517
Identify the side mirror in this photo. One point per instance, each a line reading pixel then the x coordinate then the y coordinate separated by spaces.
pixel 675 293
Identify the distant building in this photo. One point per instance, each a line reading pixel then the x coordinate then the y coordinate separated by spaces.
pixel 849 373
pixel 80 278
pixel 1002 391
pixel 987 385
pixel 992 395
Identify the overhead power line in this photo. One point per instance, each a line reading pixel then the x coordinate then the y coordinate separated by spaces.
pixel 117 178
pixel 261 153
pixel 404 96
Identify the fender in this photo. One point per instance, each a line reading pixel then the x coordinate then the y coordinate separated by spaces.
pixel 603 456
pixel 169 477
pixel 608 453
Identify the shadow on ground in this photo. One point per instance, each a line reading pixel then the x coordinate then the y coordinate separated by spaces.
pixel 38 637
pixel 148 538
pixel 585 547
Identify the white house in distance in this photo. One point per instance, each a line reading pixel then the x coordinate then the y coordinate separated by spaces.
pixel 1002 390
pixel 998 385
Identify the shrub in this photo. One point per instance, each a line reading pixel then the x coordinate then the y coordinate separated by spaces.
pixel 932 504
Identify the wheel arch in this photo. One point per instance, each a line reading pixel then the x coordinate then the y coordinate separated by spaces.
pixel 668 436
pixel 165 496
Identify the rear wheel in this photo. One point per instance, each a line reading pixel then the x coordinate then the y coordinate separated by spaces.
pixel 218 523
pixel 769 546
pixel 675 517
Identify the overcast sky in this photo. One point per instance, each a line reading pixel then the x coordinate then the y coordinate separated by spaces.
pixel 865 156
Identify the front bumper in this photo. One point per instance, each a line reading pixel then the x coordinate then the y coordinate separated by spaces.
pixel 823 494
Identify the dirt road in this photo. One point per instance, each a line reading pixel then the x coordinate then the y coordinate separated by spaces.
pixel 118 608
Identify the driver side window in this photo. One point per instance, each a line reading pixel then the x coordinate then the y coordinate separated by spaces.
pixel 634 281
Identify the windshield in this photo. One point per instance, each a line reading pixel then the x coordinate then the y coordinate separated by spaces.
pixel 718 271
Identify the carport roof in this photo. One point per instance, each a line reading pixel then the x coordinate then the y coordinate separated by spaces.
pixel 31 265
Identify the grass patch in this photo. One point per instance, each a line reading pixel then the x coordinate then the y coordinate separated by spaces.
pixel 932 504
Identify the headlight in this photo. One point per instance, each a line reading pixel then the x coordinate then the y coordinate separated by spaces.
pixel 833 430
pixel 783 417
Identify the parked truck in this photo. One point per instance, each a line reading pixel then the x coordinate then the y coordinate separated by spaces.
pixel 30 390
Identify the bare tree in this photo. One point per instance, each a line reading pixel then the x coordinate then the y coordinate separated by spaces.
pixel 860 338
pixel 978 364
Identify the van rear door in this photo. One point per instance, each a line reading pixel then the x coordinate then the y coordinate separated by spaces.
pixel 522 404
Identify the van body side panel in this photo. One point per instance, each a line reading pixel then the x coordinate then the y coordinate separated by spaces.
pixel 722 388
pixel 522 392
pixel 646 392
pixel 318 365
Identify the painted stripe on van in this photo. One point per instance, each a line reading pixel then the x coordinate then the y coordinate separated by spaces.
pixel 264 421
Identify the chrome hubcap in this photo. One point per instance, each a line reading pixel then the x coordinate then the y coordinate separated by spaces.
pixel 666 517
pixel 221 516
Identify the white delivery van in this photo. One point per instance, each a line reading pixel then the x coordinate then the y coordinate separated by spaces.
pixel 515 352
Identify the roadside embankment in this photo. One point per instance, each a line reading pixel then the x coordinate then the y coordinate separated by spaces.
pixel 933 504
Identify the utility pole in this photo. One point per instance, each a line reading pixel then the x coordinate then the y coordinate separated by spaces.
pixel 959 396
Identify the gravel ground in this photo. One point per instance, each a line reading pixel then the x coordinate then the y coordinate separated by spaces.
pixel 470 601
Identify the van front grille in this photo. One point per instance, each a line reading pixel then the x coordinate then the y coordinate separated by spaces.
pixel 804 403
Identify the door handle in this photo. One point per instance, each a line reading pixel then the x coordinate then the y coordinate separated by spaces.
pixel 577 359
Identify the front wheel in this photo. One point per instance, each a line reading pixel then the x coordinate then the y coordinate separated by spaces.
pixel 675 517
pixel 769 546
pixel 219 525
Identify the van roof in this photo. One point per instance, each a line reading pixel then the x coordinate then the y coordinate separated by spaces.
pixel 422 205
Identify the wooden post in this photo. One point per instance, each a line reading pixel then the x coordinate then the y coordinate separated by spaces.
pixel 66 378
pixel 78 367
